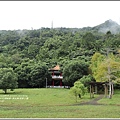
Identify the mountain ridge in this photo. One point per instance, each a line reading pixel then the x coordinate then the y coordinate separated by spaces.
pixel 108 25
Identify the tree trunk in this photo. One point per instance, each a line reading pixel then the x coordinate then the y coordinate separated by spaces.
pixel 76 98
pixel 5 90
pixel 105 90
pixel 96 89
pixel 79 95
pixel 109 77
pixel 90 91
pixel 110 90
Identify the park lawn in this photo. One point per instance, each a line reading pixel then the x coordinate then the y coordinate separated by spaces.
pixel 114 101
pixel 52 103
pixel 41 97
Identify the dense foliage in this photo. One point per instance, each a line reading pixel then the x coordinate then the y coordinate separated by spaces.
pixel 78 89
pixel 73 71
pixel 8 79
pixel 30 53
pixel 105 68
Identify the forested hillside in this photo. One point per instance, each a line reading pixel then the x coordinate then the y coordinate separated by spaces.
pixel 32 52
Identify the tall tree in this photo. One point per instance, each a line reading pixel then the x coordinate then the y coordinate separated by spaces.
pixel 23 70
pixel 8 79
pixel 74 71
pixel 39 73
pixel 106 69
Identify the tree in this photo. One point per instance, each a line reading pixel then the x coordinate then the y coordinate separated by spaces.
pixel 75 91
pixel 23 70
pixel 86 79
pixel 100 67
pixel 39 73
pixel 43 54
pixel 96 60
pixel 78 89
pixel 88 40
pixel 106 69
pixel 33 50
pixel 8 79
pixel 74 71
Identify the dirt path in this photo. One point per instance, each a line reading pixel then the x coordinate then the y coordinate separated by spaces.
pixel 93 102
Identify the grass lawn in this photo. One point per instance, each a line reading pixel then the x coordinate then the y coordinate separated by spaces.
pixel 54 103
pixel 114 101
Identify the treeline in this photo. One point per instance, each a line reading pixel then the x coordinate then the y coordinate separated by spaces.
pixel 30 53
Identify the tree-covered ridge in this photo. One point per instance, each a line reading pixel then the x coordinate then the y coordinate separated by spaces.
pixel 45 44
pixel 28 52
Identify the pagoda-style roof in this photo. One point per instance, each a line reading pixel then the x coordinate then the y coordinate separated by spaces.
pixel 57 67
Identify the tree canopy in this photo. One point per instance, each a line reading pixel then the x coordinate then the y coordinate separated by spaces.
pixel 27 50
pixel 103 67
pixel 74 71
pixel 8 79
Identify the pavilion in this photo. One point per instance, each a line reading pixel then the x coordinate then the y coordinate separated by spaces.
pixel 57 76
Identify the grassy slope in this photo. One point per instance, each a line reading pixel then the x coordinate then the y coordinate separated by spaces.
pixel 53 103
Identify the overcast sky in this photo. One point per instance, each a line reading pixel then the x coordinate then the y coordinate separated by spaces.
pixel 36 14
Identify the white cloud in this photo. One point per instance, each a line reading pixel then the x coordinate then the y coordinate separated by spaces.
pixel 37 14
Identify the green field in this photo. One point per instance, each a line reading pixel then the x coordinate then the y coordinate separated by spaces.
pixel 55 103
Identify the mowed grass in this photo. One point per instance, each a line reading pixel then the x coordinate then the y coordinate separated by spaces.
pixel 53 103
pixel 114 101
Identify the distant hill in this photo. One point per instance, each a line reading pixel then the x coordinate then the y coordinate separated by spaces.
pixel 108 25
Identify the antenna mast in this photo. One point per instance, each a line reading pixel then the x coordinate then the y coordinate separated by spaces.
pixel 52 25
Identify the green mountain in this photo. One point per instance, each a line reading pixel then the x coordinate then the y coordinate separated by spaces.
pixel 108 25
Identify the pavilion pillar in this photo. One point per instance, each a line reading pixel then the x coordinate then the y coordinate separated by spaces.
pixel 96 89
pixel 106 90
pixel 90 91
pixel 60 82
pixel 52 82
pixel 52 73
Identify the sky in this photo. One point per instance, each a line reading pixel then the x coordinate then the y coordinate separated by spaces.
pixel 16 15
